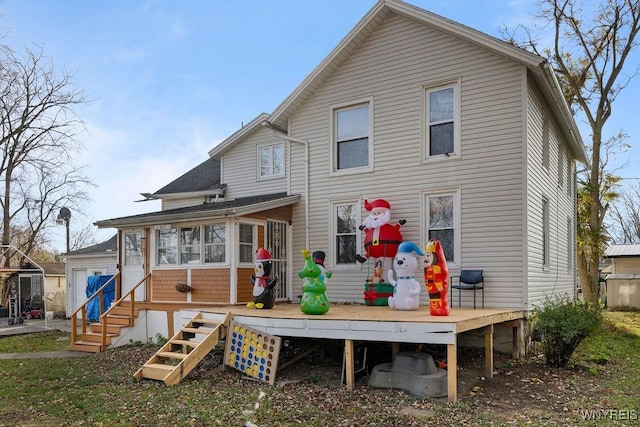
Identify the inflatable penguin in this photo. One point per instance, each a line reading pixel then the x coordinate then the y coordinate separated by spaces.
pixel 263 282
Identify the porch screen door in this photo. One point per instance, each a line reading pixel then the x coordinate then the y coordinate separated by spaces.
pixel 133 268
pixel 277 245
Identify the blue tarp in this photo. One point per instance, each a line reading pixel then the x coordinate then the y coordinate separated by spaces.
pixel 93 284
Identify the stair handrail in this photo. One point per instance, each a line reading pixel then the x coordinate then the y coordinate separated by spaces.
pixel 130 293
pixel 83 307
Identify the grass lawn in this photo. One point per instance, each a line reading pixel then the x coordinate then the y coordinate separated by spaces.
pixel 601 382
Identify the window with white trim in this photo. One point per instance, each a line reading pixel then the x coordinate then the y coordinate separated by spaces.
pixel 246 233
pixel 443 219
pixel 215 243
pixel 345 232
pixel 271 161
pixel 560 166
pixel 442 119
pixel 191 245
pixel 545 142
pixel 545 232
pixel 351 137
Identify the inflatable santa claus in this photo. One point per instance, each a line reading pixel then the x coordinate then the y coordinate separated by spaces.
pixel 381 238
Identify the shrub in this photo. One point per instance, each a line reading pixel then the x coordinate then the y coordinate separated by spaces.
pixel 563 324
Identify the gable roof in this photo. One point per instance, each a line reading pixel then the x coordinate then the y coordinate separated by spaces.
pixel 221 209
pixel 618 251
pixel 241 133
pixel 541 71
pixel 202 180
pixel 108 246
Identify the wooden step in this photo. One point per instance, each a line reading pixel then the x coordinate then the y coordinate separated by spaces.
pixel 86 346
pixel 156 371
pixel 124 311
pixel 206 322
pixel 172 374
pixel 115 319
pixel 111 329
pixel 202 331
pixel 96 337
pixel 185 343
pixel 172 355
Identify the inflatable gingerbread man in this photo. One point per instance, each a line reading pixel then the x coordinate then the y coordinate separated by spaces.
pixel 436 278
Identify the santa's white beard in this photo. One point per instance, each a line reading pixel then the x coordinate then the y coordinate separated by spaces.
pixel 375 221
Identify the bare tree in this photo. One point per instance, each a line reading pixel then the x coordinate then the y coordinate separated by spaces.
pixel 626 216
pixel 38 131
pixel 589 55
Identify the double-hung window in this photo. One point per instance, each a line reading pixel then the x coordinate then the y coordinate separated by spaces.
pixel 443 219
pixel 246 242
pixel 345 231
pixel 351 146
pixel 442 121
pixel 271 161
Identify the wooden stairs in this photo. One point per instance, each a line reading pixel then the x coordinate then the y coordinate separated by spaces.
pixel 185 350
pixel 91 340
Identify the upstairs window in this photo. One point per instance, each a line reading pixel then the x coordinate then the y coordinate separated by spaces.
pixel 271 164
pixel 442 117
pixel 351 136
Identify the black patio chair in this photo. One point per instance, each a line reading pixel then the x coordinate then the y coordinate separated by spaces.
pixel 468 280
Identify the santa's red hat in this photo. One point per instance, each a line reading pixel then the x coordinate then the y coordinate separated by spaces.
pixel 263 255
pixel 378 203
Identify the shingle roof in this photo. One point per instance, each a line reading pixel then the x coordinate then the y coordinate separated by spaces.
pixel 110 245
pixel 205 210
pixel 615 251
pixel 205 176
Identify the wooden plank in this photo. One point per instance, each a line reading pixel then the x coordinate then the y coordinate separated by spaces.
pixel 488 351
pixel 452 372
pixel 349 363
pixel 172 354
pixel 185 342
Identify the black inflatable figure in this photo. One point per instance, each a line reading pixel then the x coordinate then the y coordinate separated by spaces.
pixel 263 282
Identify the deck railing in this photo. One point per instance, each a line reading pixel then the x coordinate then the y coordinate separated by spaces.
pixel 83 307
pixel 130 296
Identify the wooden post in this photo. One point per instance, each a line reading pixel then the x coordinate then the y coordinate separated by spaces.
pixel 452 371
pixel 488 351
pixel 395 349
pixel 349 362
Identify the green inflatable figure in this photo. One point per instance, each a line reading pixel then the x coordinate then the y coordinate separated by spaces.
pixel 314 300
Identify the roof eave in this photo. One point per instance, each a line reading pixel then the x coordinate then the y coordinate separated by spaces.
pixel 239 134
pixel 195 216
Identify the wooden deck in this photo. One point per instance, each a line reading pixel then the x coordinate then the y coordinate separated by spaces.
pixel 354 322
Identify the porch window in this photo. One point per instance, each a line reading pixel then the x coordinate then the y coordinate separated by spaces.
pixel 194 244
pixel 167 246
pixel 442 118
pixel 214 243
pixel 443 219
pixel 190 245
pixel 132 248
pixel 271 161
pixel 345 232
pixel 246 243
pixel 352 143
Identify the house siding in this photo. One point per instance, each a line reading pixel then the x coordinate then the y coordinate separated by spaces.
pixel 240 167
pixel 107 264
pixel 559 276
pixel 393 66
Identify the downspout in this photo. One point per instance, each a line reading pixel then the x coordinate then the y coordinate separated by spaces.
pixel 281 134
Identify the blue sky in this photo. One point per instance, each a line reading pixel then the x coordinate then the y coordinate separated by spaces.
pixel 168 80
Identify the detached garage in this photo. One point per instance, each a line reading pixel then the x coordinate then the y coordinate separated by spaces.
pixel 623 284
